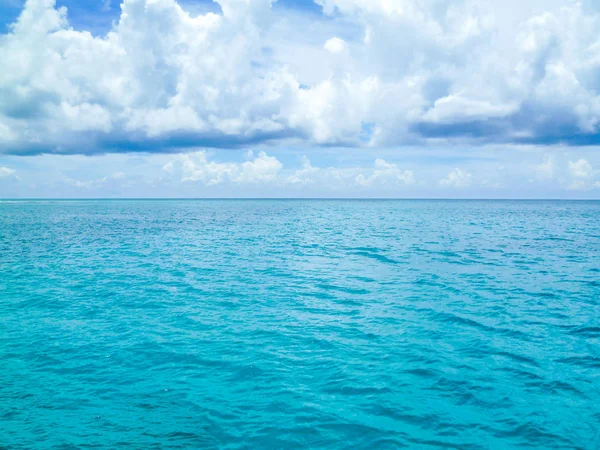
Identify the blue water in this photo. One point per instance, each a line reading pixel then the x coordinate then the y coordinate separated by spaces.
pixel 287 324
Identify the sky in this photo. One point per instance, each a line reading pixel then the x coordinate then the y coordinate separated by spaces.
pixel 300 98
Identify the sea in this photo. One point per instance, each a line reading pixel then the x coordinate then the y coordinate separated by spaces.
pixel 281 324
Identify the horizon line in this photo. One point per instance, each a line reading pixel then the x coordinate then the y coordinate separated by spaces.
pixel 294 198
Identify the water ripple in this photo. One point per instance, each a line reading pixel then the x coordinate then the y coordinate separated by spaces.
pixel 299 324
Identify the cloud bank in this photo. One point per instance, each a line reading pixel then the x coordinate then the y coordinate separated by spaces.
pixel 374 73
pixel 501 173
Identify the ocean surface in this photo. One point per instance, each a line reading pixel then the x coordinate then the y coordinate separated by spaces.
pixel 299 324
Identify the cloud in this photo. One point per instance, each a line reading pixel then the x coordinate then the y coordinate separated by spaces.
pixel 580 169
pixel 501 172
pixel 197 167
pixel 264 169
pixel 386 173
pixel 5 172
pixel 582 175
pixel 458 178
pixel 305 175
pixel 456 109
pixel 336 46
pixel 163 79
pixel 260 169
pixel 578 175
pixel 158 75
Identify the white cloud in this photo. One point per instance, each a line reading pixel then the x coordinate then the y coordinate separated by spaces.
pixel 304 175
pixel 85 117
pixel 260 169
pixel 265 169
pixel 386 173
pixel 198 167
pixel 5 172
pixel 582 175
pixel 470 70
pixel 336 46
pixel 580 169
pixel 278 173
pixel 458 178
pixel 456 109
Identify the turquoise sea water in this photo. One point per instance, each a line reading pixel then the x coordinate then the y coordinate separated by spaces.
pixel 288 324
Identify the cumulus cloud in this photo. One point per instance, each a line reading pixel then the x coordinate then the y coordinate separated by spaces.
pixel 582 175
pixel 263 169
pixel 580 169
pixel 385 173
pixel 559 171
pixel 305 175
pixel 197 166
pixel 269 172
pixel 458 178
pixel 162 78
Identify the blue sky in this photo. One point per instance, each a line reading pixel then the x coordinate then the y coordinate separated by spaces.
pixel 97 16
pixel 324 98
